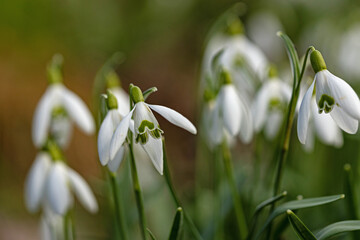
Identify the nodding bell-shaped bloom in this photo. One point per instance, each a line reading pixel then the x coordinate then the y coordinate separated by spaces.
pixel 57 98
pixel 107 129
pixel 246 62
pixel 333 96
pixel 146 128
pixel 270 105
pixel 50 183
pixel 231 114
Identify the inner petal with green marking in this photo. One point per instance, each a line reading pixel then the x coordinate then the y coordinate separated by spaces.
pixel 145 128
pixel 326 103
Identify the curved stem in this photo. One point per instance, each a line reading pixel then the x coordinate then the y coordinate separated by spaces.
pixel 137 190
pixel 240 216
pixel 176 199
pixel 119 216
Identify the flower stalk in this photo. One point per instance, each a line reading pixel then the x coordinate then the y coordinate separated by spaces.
pixel 239 212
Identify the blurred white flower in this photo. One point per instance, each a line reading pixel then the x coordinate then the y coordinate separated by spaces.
pixel 146 128
pixel 270 105
pixel 230 116
pixel 51 226
pixel 333 96
pixel 57 95
pixel 122 99
pixel 49 184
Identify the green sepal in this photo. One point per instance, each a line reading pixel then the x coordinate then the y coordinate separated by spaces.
pixel 176 229
pixel 299 227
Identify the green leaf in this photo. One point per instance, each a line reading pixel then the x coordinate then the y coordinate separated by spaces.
pixel 293 56
pixel 299 227
pixel 269 201
pixel 152 236
pixel 337 228
pixel 299 204
pixel 177 225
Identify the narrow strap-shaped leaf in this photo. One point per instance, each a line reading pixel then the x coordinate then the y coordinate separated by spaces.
pixel 350 191
pixel 152 236
pixel 337 228
pixel 299 227
pixel 260 207
pixel 177 225
pixel 298 204
pixel 292 54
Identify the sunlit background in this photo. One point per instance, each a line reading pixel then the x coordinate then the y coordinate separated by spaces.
pixel 163 42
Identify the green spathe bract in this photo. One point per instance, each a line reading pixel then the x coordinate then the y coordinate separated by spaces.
pixel 317 61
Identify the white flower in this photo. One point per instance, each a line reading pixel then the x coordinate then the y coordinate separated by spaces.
pixel 231 115
pixel 122 99
pixel 333 96
pixel 49 184
pixel 269 106
pixel 146 128
pixel 57 95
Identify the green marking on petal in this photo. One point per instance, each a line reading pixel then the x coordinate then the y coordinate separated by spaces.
pixel 326 103
pixel 58 111
pixel 142 138
pixel 144 124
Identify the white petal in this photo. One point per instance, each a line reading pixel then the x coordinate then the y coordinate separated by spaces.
pixel 42 115
pixel 246 127
pixel 230 107
pixel 344 95
pixel 142 112
pixel 45 230
pixel 216 130
pixel 78 111
pixel 114 164
pixel 325 127
pixel 82 191
pixel 273 124
pixel 120 134
pixel 57 191
pixel 35 181
pixel 106 132
pixel 260 106
pixel 123 100
pixel 174 117
pixel 344 121
pixel 304 114
pixel 310 138
pixel 153 148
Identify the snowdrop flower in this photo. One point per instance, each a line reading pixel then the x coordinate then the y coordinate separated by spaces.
pixel 51 225
pixel 57 96
pixel 107 129
pixel 333 96
pixel 49 184
pixel 231 114
pixel 269 106
pixel 146 128
pixel 240 56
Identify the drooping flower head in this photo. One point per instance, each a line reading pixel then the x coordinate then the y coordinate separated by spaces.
pixel 57 108
pixel 146 128
pixel 270 104
pixel 333 96
pixel 50 182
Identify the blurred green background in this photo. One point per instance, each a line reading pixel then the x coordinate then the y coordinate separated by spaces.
pixel 163 42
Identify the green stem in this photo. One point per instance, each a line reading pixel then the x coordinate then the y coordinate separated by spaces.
pixel 137 190
pixel 176 199
pixel 284 149
pixel 119 215
pixel 69 227
pixel 240 216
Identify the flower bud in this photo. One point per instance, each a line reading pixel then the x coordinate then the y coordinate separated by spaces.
pixel 136 94
pixel 111 100
pixel 317 61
